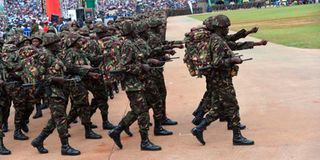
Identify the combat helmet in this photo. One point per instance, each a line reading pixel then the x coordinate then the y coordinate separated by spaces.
pixel 71 39
pixel 50 38
pixel 100 28
pixel 21 40
pixel 37 36
pixel 84 31
pixel 127 27
pixel 8 48
pixel 217 21
pixel 155 22
pixel 142 26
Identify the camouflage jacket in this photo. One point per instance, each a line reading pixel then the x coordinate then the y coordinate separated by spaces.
pixel 131 66
pixel 220 54
pixel 73 60
pixel 54 68
pixel 93 52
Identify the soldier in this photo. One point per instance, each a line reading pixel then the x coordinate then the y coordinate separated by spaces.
pixel 224 67
pixel 14 90
pixel 36 41
pixel 79 66
pixel 231 39
pixel 133 69
pixel 153 97
pixel 6 51
pixel 3 105
pixel 156 44
pixel 55 80
pixel 97 86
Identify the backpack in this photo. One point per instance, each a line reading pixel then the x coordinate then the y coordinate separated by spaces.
pixel 197 54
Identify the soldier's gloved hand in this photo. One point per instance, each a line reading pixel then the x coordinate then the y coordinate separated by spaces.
pixel 264 42
pixel 254 30
pixel 155 62
pixel 58 80
pixel 165 58
pixel 146 67
pixel 94 75
pixel 1 82
pixel 181 46
pixel 236 60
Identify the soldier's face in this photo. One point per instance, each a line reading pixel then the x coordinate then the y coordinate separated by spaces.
pixel 26 43
pixel 225 31
pixel 36 42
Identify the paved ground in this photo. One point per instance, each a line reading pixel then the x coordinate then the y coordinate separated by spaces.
pixel 279 96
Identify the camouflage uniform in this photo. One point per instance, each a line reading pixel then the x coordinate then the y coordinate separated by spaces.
pixel 155 43
pixel 133 69
pixel 3 105
pixel 57 100
pixel 224 67
pixel 23 99
pixel 97 86
pixel 74 60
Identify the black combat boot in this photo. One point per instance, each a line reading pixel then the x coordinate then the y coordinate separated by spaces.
pixel 159 130
pixel 93 126
pixel 106 125
pixel 24 126
pixel 198 131
pixel 199 108
pixel 111 95
pixel 3 149
pixel 90 134
pixel 198 117
pixel 18 135
pixel 115 135
pixel 238 139
pixel 168 122
pixel 128 132
pixel 44 106
pixel 115 87
pixel 241 126
pixel 146 145
pixel 38 143
pixel 66 149
pixel 38 111
pixel 5 127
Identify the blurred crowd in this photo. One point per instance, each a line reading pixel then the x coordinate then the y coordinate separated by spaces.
pixel 22 10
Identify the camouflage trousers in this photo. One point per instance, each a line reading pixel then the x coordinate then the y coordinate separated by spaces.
pixel 159 80
pixel 139 110
pixel 2 108
pixel 223 94
pixel 5 105
pixel 205 104
pixel 100 99
pixel 79 102
pixel 153 98
pixel 58 117
pixel 22 102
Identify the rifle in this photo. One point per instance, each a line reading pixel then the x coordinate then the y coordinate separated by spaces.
pixel 211 66
pixel 169 60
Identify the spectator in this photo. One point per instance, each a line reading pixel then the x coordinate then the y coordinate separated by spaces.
pixel 45 27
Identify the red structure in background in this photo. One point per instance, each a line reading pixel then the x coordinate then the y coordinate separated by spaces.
pixel 53 7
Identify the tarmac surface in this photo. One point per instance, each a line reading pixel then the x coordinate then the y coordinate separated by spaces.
pixel 279 97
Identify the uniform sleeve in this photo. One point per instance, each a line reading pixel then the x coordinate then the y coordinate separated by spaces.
pixel 94 53
pixel 128 61
pixel 234 37
pixel 220 53
pixel 244 45
pixel 71 65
